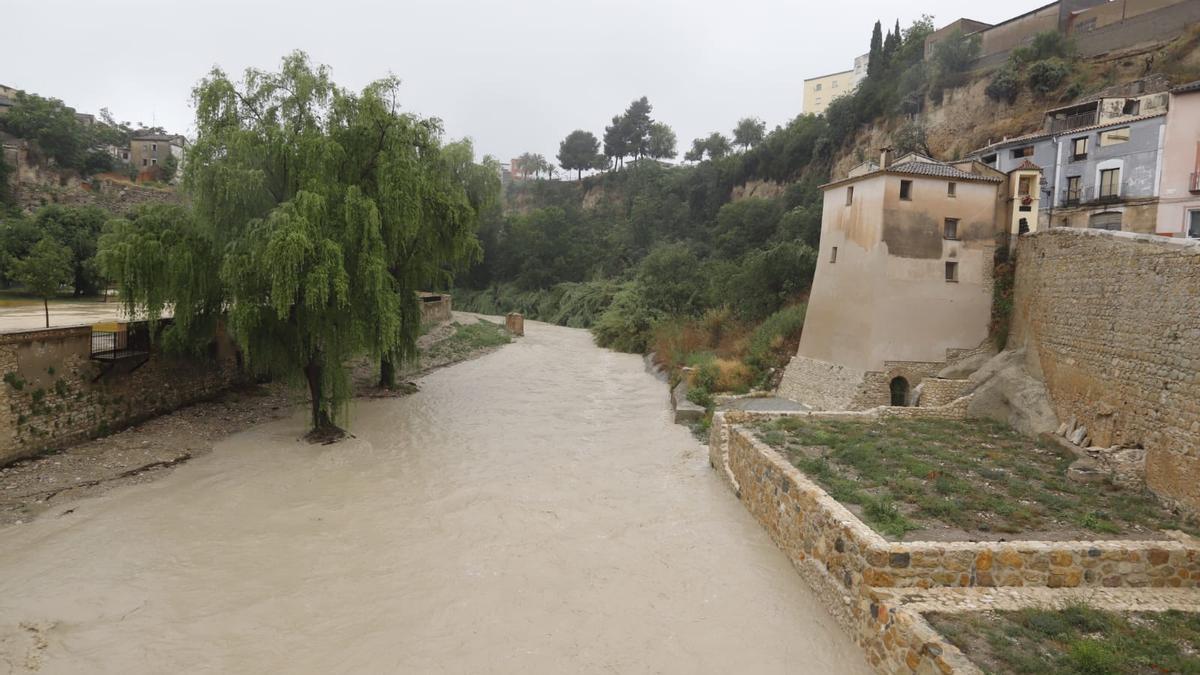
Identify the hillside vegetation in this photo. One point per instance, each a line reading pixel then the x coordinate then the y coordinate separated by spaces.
pixel 662 258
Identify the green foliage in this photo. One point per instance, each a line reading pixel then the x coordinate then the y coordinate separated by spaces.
pixel 625 325
pixel 14 380
pixel 671 281
pixel 775 331
pixel 79 228
pixel 1005 85
pixel 169 168
pixel 1046 76
pixel 578 152
pixel 49 123
pixel 6 193
pixel 318 213
pixel 749 132
pixel 950 61
pixel 45 269
pixel 661 143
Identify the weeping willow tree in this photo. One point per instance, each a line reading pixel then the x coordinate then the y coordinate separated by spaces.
pixel 316 215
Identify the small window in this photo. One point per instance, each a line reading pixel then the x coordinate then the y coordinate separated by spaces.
pixel 951 271
pixel 849 195
pixel 1079 149
pixel 833 255
pixel 906 190
pixel 990 160
pixel 1110 183
pixel 145 162
pixel 154 161
pixel 1194 224
pixel 834 85
pixel 817 88
pixel 1074 191
pixel 154 147
pixel 951 189
pixel 1114 137
pixel 1026 151
pixel 950 229
pixel 1132 107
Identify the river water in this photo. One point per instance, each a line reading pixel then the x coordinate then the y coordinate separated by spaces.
pixel 532 511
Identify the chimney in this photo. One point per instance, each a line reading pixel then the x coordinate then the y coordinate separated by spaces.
pixel 885 158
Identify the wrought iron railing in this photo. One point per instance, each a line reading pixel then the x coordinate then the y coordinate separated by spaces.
pixel 1090 195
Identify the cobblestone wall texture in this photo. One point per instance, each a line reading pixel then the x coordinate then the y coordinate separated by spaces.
pixel 1112 320
pixel 50 396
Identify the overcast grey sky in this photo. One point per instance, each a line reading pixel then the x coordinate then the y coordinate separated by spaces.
pixel 514 76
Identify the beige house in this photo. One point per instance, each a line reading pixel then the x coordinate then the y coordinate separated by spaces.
pixel 1179 201
pixel 150 150
pixel 904 277
pixel 820 91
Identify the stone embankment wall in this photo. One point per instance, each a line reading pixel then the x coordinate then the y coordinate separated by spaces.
pixel 830 386
pixel 435 308
pixel 53 395
pixel 1112 321
pixel 854 569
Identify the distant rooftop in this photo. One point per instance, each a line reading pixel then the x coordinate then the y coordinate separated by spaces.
pixel 1187 88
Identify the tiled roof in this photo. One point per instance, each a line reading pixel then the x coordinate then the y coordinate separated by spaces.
pixel 1066 132
pixel 938 170
pixel 157 137
pixel 1027 166
pixel 1186 88
pixel 933 169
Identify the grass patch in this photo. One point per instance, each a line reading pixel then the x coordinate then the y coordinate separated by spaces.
pixel 467 339
pixel 1078 639
pixel 977 475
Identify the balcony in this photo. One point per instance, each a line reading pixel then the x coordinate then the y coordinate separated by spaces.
pixel 1089 195
pixel 1076 121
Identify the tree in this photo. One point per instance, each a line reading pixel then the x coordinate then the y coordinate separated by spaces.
pixel 45 270
pixel 875 65
pixel 49 123
pixel 717 145
pixel 616 141
pixel 637 125
pixel 169 167
pixel 578 151
pixel 749 132
pixel 79 229
pixel 696 154
pixel 317 214
pixel 661 143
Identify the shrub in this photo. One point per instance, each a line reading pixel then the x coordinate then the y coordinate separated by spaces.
pixel 626 324
pixel 1047 75
pixel 769 339
pixel 1005 86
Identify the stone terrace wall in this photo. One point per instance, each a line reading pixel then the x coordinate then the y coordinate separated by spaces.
pixel 1112 320
pixel 852 568
pixel 48 398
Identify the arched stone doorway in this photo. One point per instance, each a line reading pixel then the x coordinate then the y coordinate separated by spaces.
pixel 899 387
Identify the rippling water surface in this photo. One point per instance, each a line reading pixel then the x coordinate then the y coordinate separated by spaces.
pixel 533 511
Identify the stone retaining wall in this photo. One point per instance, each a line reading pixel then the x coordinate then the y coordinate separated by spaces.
pixel 435 308
pixel 1112 321
pixel 936 391
pixel 852 568
pixel 50 396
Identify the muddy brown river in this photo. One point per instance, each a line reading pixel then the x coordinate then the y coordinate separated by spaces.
pixel 532 511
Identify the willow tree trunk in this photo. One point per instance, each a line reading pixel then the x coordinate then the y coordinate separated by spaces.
pixel 313 372
pixel 387 373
